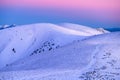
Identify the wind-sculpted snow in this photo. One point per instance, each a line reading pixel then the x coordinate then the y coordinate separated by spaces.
pixel 62 54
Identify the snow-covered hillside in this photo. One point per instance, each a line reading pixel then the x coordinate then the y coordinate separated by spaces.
pixel 25 40
pixel 50 52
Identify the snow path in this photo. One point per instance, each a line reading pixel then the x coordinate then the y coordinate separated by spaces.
pixel 93 59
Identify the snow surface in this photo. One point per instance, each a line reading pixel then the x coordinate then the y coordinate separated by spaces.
pixel 55 52
pixel 21 41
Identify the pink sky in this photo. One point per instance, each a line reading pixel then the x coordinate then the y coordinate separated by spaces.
pixel 99 9
pixel 66 4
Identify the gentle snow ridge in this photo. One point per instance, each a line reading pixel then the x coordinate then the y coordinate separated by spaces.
pixel 23 40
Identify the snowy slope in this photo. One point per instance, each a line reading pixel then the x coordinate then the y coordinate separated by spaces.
pixel 96 57
pixel 86 29
pixel 18 42
pixel 108 38
pixel 67 57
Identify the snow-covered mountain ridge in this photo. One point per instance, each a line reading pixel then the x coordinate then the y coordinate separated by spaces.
pixel 52 52
pixel 27 39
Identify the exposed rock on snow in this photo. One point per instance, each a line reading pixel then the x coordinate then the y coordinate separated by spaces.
pixel 102 30
pixel 7 26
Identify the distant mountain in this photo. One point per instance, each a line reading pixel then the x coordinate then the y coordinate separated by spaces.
pixel 113 29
